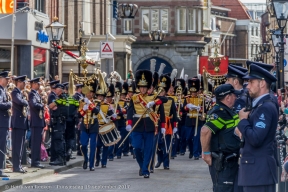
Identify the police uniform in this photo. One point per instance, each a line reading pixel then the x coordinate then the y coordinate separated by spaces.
pixel 78 96
pixel 106 111
pixel 89 129
pixel 165 147
pixel 59 117
pixel 52 97
pixel 72 117
pixel 19 124
pixel 5 113
pixel 196 102
pixel 36 123
pixel 241 100
pixel 257 159
pixel 144 132
pixel 224 144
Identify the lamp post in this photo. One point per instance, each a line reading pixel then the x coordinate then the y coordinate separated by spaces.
pixel 277 48
pixel 128 11
pixel 55 32
pixel 280 9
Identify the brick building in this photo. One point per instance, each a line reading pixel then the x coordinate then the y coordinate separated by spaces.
pixel 187 27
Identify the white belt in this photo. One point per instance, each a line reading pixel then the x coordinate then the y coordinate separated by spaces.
pixel 101 121
pixel 138 115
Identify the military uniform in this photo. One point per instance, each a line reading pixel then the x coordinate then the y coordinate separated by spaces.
pixel 257 158
pixel 144 131
pixel 165 147
pixel 19 124
pixel 224 144
pixel 5 113
pixel 193 107
pixel 36 123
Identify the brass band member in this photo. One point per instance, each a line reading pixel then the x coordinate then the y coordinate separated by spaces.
pixel 19 123
pixel 144 131
pixel 165 139
pixel 88 111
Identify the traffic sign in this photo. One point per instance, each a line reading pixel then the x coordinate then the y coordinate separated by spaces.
pixel 285 63
pixel 107 50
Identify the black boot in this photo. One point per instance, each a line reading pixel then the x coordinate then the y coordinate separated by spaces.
pixel 97 164
pixel 85 165
pixel 68 154
pixel 157 165
pixel 58 162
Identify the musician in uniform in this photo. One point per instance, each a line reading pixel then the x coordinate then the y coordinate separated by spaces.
pixel 51 97
pixel 144 131
pixel 5 113
pixel 19 123
pixel 89 126
pixel 192 105
pixel 167 133
pixel 131 92
pixel 58 119
pixel 37 122
pixel 78 96
pixel 106 110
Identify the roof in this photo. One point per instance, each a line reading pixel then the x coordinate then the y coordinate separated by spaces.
pixel 238 9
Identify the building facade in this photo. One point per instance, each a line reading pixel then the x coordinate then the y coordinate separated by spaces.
pixel 187 28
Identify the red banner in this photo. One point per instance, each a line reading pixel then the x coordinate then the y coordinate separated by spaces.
pixel 204 62
pixel 39 56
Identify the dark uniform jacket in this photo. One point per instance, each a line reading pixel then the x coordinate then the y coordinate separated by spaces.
pixel 60 115
pixel 36 110
pixel 121 118
pixel 135 110
pixel 190 121
pixel 5 105
pixel 170 115
pixel 94 126
pixel 257 160
pixel 18 120
pixel 240 102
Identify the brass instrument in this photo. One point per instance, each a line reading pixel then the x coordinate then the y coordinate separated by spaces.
pixel 197 118
pixel 179 95
pixel 116 101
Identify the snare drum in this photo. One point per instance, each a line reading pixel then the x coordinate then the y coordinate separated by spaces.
pixel 109 134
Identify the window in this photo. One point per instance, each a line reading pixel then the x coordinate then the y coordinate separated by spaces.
pixel 256 31
pixel 127 25
pixel 40 5
pixel 252 50
pixel 252 31
pixel 154 19
pixel 186 20
pixel 205 19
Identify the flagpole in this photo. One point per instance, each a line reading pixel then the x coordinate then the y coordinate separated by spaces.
pixel 12 39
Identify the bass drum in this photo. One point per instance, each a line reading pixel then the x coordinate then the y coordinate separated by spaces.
pixel 109 134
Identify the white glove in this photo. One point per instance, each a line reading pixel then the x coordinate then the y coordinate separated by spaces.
pixel 85 107
pixel 191 106
pixel 198 108
pixel 128 128
pixel 114 115
pixel 163 130
pixel 175 129
pixel 150 104
pixel 86 100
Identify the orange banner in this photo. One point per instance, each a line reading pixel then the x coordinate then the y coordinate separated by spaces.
pixel 6 6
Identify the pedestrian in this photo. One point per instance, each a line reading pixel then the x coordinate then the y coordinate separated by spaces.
pixel 220 146
pixel 258 166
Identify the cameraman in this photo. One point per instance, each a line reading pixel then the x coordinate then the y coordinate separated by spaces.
pixel 220 145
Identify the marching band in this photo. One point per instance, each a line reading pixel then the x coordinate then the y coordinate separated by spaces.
pixel 156 115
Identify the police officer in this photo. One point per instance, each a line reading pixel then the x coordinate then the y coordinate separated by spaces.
pixel 59 116
pixel 78 96
pixel 5 107
pixel 51 97
pixel 220 146
pixel 144 131
pixel 37 122
pixel 235 78
pixel 19 123
pixel 258 129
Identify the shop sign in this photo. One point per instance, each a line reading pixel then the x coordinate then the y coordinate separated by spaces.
pixel 42 37
pixel 38 26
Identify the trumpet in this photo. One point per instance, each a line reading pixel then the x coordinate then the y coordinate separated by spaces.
pixel 179 95
pixel 203 115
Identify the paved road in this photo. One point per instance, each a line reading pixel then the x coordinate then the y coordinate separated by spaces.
pixel 122 175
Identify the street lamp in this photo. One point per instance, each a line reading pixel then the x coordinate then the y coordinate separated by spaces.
pixel 281 12
pixel 157 35
pixel 128 11
pixel 55 32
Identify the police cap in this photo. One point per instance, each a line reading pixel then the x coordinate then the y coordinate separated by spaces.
pixel 225 89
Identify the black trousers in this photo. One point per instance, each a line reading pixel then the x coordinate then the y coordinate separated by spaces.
pixel 70 134
pixel 57 141
pixel 3 142
pixel 262 188
pixel 36 138
pixel 18 139
pixel 78 140
pixel 225 180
